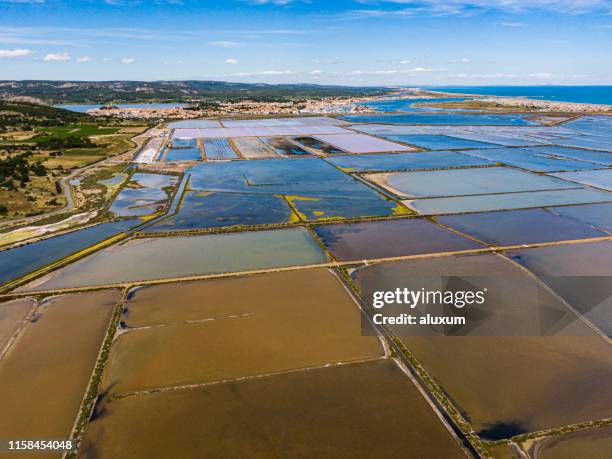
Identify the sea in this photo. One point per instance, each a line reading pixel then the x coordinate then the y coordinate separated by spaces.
pixel 577 94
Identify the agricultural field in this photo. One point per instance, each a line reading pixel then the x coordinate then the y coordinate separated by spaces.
pixel 223 303
pixel 40 146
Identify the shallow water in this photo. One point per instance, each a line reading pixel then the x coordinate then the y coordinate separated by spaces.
pixel 598 179
pixel 599 215
pixel 183 154
pixel 44 375
pixel 12 314
pixel 443 119
pixel 155 258
pixel 407 161
pixel 466 182
pixel 263 314
pixel 295 177
pixel 358 241
pixel 313 209
pixel 519 227
pixel 145 194
pixel 218 149
pixel 474 370
pixel 509 201
pixel 439 142
pixel 580 273
pixel 595 157
pixel 19 261
pixel 295 415
pixel 209 210
pixel 533 160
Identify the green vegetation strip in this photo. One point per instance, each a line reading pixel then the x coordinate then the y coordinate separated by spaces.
pixel 91 395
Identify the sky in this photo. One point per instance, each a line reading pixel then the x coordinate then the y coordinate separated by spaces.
pixel 352 42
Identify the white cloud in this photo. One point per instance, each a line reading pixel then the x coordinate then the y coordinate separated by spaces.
pixel 465 60
pixel 405 61
pixel 17 52
pixel 410 8
pixel 57 57
pixel 224 44
pixel 231 61
pixel 513 24
pixel 83 59
pixel 315 72
pixel 264 73
pixel 107 59
pixel 274 2
pixel 420 70
pixel 540 75
pixel 128 60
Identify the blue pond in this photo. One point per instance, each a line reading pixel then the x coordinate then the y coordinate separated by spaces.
pixel 22 260
pixel 211 210
pixel 439 142
pixel 459 119
pixel 407 161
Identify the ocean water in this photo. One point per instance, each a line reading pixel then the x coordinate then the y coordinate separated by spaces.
pixel 578 94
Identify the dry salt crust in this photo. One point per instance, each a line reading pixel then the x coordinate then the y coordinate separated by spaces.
pixel 360 143
pixel 310 121
pixel 257 131
pixel 148 154
pixel 194 124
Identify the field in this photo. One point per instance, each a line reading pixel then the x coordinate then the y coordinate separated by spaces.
pixel 51 143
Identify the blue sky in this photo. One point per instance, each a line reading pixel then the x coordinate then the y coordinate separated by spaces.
pixel 357 42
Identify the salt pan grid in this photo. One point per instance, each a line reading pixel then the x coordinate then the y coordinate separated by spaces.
pixel 360 143
pixel 261 131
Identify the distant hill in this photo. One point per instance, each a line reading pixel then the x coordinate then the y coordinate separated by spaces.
pixel 14 113
pixel 103 92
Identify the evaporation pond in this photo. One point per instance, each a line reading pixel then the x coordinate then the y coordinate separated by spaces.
pixel 333 412
pixel 532 160
pixel 22 260
pixel 253 148
pixel 262 313
pixel 580 273
pixel 218 149
pixel 358 241
pixel 201 209
pixel 145 194
pixel 439 142
pixel 406 161
pixel 599 215
pixel 508 201
pixel 154 258
pixel 183 154
pixel 475 370
pixel 599 179
pixel 46 371
pixel 466 182
pixel 317 208
pixel 442 119
pixel 519 227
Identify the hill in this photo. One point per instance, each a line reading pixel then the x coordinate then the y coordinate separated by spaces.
pixel 101 92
